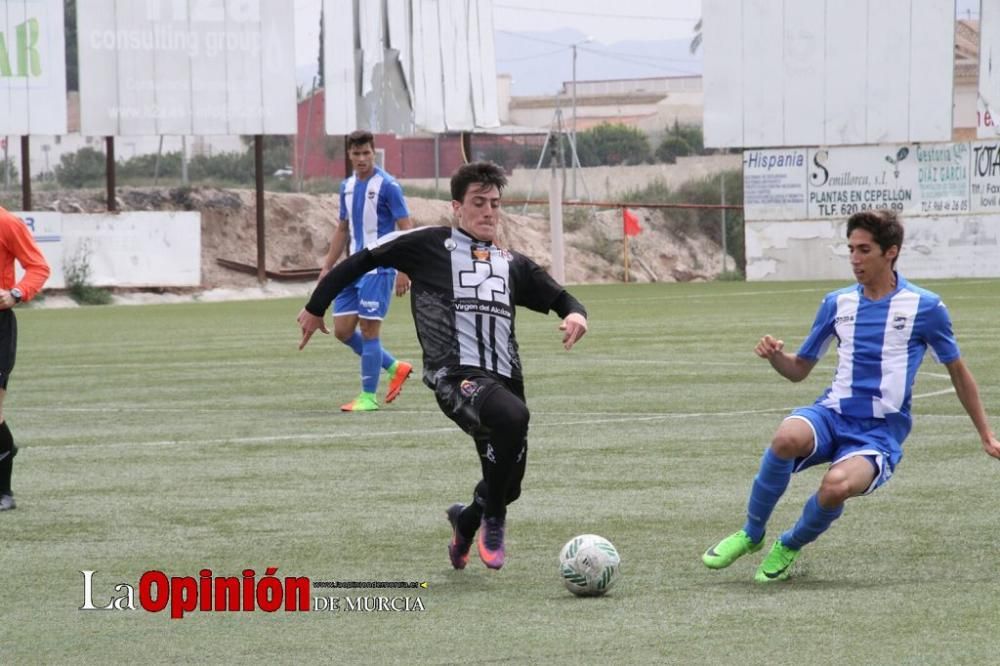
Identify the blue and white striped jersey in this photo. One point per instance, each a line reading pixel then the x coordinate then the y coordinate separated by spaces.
pixel 371 207
pixel 880 345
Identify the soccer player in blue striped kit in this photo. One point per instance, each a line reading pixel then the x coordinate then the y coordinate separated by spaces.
pixel 371 206
pixel 883 325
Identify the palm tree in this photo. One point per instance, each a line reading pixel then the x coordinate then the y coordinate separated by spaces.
pixel 696 40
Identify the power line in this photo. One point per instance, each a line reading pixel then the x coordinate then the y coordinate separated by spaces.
pixel 520 8
pixel 633 58
pixel 534 39
pixel 529 57
pixel 638 57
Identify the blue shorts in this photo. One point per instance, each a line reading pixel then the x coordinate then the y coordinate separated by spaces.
pixel 368 297
pixel 837 437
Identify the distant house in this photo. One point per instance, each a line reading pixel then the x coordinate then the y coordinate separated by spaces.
pixel 966 79
pixel 648 104
pixel 320 156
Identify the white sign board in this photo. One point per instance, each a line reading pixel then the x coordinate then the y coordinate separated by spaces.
pixel 32 68
pixel 136 249
pixel 985 190
pixel 781 73
pixel 988 99
pixel 821 183
pixel 416 64
pixel 774 184
pixel 189 67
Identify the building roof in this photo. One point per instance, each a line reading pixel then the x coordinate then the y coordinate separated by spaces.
pixel 546 101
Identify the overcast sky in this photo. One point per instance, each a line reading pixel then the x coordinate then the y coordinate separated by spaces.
pixel 606 22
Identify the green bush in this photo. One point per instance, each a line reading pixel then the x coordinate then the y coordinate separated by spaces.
pixel 8 170
pixel 681 140
pixel 76 270
pixel 144 166
pixel 82 168
pixel 611 145
pixel 671 148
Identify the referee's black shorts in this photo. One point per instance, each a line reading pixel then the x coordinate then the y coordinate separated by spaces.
pixel 8 345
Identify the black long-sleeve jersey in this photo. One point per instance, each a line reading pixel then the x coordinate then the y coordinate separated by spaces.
pixel 463 296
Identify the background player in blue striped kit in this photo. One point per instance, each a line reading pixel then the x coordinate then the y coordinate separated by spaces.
pixel 883 325
pixel 371 206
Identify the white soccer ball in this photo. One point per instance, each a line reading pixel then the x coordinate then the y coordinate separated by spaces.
pixel 589 565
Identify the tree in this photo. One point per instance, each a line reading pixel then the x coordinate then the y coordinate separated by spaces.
pixel 611 145
pixel 696 39
pixel 84 167
pixel 671 148
pixel 322 71
pixel 8 170
pixel 681 140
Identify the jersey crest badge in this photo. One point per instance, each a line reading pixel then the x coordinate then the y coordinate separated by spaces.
pixel 480 253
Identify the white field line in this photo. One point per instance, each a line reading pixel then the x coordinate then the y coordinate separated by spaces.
pixel 327 436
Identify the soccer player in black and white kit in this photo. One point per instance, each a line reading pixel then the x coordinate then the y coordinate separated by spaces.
pixel 464 290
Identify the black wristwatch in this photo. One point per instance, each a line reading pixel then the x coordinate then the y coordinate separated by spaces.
pixel 16 294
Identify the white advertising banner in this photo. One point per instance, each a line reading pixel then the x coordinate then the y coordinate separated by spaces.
pixel 32 68
pixel 985 186
pixel 136 249
pixel 845 181
pixel 947 193
pixel 434 69
pixel 196 67
pixel 850 72
pixel 833 183
pixel 774 184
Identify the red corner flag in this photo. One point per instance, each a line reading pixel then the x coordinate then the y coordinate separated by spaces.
pixel 630 222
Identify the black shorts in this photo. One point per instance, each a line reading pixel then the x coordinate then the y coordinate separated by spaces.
pixel 8 345
pixel 461 397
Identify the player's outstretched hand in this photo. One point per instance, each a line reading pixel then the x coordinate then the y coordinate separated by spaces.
pixel 574 326
pixel 309 323
pixel 992 446
pixel 768 347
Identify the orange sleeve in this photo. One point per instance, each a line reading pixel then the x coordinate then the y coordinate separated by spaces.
pixel 21 244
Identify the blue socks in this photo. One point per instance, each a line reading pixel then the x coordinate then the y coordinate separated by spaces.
pixel 356 343
pixel 768 487
pixel 814 521
pixel 371 362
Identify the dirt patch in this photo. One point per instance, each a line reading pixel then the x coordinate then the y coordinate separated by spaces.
pixel 299 227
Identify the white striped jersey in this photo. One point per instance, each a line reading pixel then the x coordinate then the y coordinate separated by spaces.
pixel 463 296
pixel 880 345
pixel 371 207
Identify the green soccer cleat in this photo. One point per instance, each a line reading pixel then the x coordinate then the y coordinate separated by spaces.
pixel 730 549
pixel 365 402
pixel 777 563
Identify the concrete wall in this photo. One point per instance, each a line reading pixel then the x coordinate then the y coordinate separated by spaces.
pixel 134 249
pixel 934 247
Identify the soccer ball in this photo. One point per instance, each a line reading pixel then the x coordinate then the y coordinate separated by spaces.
pixel 589 565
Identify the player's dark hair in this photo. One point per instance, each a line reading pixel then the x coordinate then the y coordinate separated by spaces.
pixel 485 174
pixel 360 138
pixel 883 225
